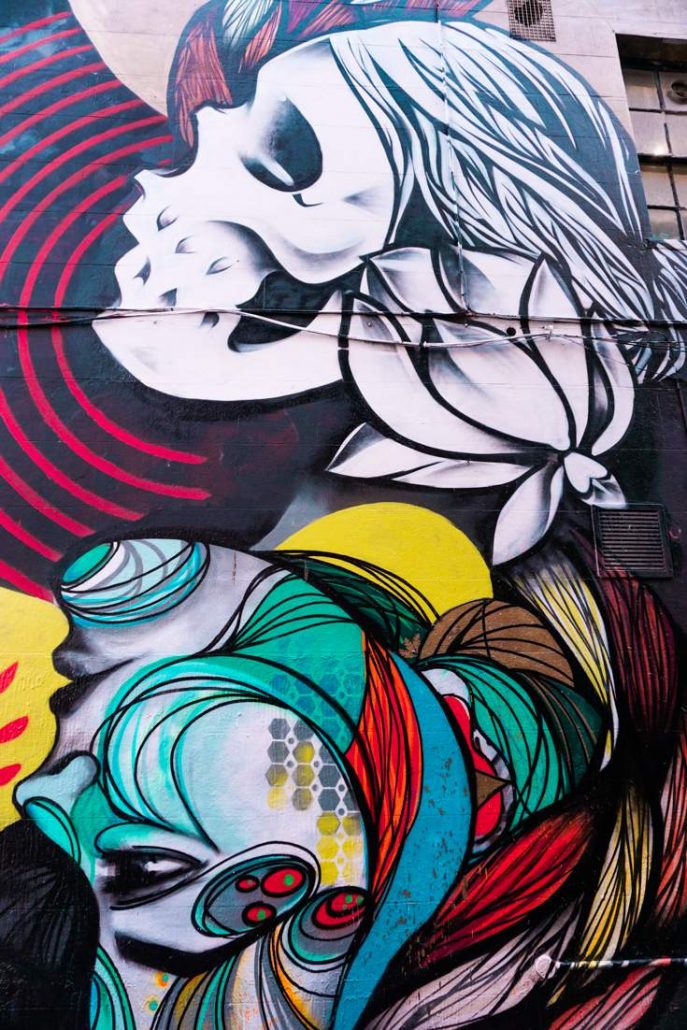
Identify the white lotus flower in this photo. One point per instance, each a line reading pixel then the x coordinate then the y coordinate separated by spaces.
pixel 460 405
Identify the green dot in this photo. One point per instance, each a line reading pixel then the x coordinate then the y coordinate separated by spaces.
pixel 262 914
pixel 349 899
pixel 288 880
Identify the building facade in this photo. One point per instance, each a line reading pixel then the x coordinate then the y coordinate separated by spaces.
pixel 343 430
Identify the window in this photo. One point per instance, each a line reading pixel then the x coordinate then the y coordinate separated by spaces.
pixel 531 19
pixel 657 97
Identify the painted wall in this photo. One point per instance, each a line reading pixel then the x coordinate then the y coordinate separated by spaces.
pixel 325 327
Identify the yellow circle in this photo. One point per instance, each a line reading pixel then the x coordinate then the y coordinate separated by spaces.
pixel 424 550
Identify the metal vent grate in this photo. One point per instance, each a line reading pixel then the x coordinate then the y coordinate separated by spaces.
pixel 531 19
pixel 633 539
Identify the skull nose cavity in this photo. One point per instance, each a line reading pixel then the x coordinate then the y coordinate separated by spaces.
pixel 144 272
pixel 184 246
pixel 220 264
pixel 165 218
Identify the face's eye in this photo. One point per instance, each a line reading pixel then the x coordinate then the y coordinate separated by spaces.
pixel 287 154
pixel 133 876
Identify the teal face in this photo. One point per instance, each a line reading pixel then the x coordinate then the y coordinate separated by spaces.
pixel 207 813
pixel 251 784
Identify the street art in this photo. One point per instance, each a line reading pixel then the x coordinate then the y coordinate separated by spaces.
pixel 325 326
pixel 260 815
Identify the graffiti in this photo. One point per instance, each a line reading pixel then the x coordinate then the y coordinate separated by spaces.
pixel 400 247
pixel 299 703
pixel 323 336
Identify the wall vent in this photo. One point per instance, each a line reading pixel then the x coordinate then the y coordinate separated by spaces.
pixel 633 539
pixel 531 19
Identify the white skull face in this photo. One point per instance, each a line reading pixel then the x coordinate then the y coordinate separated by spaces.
pixel 284 196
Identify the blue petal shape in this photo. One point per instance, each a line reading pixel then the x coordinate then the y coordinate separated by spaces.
pixel 132 581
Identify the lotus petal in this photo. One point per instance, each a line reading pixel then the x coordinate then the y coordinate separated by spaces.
pixel 548 297
pixel 494 283
pixel 582 471
pixel 565 360
pixel 606 493
pixel 527 515
pixel 464 475
pixel 406 280
pixel 616 370
pixel 366 454
pixel 497 384
pixel 389 383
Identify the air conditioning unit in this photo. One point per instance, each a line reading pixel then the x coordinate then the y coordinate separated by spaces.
pixel 531 19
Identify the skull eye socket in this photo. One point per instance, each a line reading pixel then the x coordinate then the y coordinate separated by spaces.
pixel 288 155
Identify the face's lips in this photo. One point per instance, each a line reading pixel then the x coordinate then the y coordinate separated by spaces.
pixel 70 696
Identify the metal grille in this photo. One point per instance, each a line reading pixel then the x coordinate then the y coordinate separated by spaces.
pixel 633 539
pixel 531 19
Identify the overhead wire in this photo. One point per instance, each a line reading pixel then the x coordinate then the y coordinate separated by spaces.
pixel 547 330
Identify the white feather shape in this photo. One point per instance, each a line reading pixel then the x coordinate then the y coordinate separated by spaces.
pixel 537 411
pixel 528 514
pixel 241 18
pixel 366 454
pixel 386 377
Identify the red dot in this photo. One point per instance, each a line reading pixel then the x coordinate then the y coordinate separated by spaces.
pixel 12 730
pixel 7 675
pixel 247 884
pixel 339 910
pixel 7 773
pixel 346 902
pixel 255 915
pixel 283 882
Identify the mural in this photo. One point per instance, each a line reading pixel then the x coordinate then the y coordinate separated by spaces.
pixel 325 326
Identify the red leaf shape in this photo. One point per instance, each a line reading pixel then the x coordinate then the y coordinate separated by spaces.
pixel 624 1005
pixel 386 757
pixel 646 654
pixel 671 896
pixel 7 773
pixel 508 886
pixel 12 730
pixel 7 675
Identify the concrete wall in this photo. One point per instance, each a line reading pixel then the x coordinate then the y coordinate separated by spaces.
pixel 585 38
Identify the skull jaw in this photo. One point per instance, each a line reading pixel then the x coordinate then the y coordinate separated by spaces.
pixel 188 355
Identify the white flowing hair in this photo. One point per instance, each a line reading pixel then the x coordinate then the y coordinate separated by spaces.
pixel 513 153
